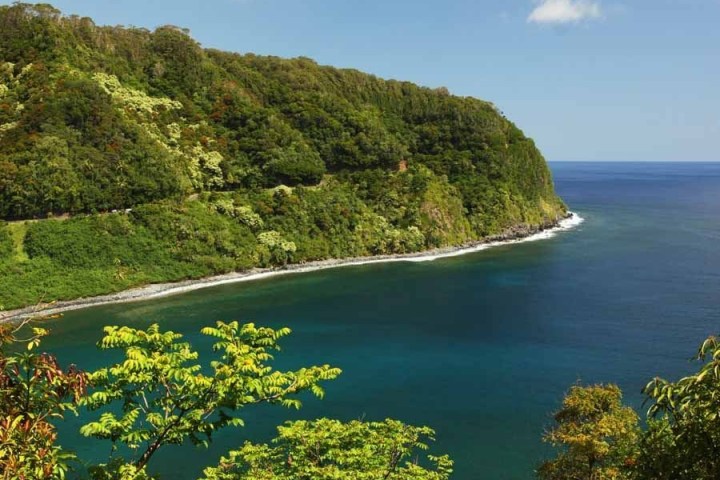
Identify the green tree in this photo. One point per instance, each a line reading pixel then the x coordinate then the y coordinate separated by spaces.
pixel 331 450
pixel 684 441
pixel 273 245
pixel 295 164
pixel 164 397
pixel 54 181
pixel 658 455
pixel 596 434
pixel 168 398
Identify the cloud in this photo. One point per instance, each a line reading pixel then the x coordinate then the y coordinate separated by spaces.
pixel 565 11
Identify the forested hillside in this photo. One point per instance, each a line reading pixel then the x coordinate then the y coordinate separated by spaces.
pixel 163 160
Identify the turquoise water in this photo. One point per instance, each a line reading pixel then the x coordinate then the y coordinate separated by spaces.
pixel 482 346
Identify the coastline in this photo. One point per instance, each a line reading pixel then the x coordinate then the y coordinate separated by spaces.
pixel 512 236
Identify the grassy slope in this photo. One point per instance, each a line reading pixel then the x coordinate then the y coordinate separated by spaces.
pixel 100 254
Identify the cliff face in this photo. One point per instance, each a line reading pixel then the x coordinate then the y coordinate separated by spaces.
pixel 95 119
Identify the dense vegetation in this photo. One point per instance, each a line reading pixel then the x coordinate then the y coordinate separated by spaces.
pixel 161 392
pixel 163 395
pixel 230 161
pixel 600 439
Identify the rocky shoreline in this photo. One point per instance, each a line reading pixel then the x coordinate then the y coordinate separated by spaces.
pixel 517 234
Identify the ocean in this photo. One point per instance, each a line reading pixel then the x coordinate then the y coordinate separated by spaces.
pixel 481 347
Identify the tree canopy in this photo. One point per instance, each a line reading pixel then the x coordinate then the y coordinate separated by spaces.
pixel 597 434
pixel 600 439
pixel 95 118
pixel 164 392
pixel 331 450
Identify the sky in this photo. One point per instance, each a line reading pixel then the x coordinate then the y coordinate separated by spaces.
pixel 588 80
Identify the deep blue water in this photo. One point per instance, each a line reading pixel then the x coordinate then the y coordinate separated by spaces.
pixel 481 347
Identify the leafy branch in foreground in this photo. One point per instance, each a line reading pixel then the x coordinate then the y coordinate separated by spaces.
pixel 685 441
pixel 166 397
pixel 34 392
pixel 597 434
pixel 159 395
pixel 600 438
pixel 331 450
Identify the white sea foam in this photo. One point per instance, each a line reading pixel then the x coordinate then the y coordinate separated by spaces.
pixel 566 224
pixel 166 289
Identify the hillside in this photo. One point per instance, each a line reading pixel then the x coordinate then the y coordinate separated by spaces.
pixel 147 158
